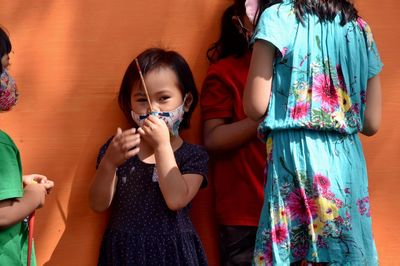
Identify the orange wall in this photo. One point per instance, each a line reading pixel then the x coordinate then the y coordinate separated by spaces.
pixel 69 58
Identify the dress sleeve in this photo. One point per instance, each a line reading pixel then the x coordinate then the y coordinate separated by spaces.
pixel 216 99
pixel 195 162
pixel 374 60
pixel 102 151
pixel 274 26
pixel 10 172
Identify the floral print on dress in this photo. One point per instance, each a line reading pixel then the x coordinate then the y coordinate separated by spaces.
pixel 314 88
pixel 325 100
pixel 310 214
pixel 363 206
pixel 317 183
pixel 364 27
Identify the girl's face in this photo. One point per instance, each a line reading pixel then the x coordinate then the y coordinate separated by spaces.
pixel 5 61
pixel 164 92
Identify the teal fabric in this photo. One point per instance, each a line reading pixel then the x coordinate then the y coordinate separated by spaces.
pixel 321 71
pixel 316 205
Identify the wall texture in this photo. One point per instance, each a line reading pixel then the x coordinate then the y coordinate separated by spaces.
pixel 68 60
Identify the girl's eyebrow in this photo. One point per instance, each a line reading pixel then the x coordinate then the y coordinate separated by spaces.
pixel 139 93
pixel 163 92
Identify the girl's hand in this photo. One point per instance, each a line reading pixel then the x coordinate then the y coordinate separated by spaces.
pixel 48 184
pixel 39 190
pixel 33 178
pixel 155 131
pixel 124 145
pixel 38 179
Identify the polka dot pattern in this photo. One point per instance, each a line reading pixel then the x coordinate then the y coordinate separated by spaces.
pixel 142 229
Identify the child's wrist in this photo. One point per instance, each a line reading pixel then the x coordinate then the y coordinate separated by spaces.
pixel 108 165
pixel 163 147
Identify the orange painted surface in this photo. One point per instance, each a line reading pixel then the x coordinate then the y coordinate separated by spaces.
pixel 68 61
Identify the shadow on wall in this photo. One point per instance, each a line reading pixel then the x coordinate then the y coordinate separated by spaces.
pixel 83 227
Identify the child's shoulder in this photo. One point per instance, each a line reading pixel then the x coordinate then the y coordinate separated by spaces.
pixel 279 11
pixel 6 139
pixel 229 66
pixel 193 158
pixel 189 150
pixel 190 147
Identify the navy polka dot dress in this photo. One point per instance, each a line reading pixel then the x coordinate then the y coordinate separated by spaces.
pixel 142 229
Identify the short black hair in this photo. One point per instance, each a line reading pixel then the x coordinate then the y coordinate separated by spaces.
pixel 155 58
pixel 5 45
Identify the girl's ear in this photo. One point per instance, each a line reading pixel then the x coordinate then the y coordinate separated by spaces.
pixel 188 101
pixel 251 9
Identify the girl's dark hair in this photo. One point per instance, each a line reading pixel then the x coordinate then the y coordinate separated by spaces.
pixel 5 45
pixel 231 41
pixel 156 58
pixel 326 10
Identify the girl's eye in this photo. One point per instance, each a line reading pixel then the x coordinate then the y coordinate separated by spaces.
pixel 141 100
pixel 164 98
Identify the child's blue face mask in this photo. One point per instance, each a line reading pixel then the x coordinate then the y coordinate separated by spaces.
pixel 172 118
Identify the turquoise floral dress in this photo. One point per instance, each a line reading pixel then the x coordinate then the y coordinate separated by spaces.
pixel 316 205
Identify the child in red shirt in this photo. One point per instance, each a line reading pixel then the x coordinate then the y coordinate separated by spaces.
pixel 238 157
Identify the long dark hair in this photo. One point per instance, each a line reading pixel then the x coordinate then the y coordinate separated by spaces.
pixel 156 58
pixel 326 10
pixel 231 41
pixel 5 45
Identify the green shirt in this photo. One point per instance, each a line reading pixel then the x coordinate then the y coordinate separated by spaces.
pixel 14 239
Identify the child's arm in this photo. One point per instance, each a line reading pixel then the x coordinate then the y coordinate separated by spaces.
pixel 123 146
pixel 178 190
pixel 15 210
pixel 373 107
pixel 258 88
pixel 216 138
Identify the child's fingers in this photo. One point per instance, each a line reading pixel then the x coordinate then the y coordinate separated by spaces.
pixel 151 121
pixel 132 152
pixel 39 178
pixel 132 139
pixel 48 184
pixel 118 135
pixel 131 142
pixel 152 118
pixel 155 123
pixel 141 131
pixel 129 132
pixel 156 120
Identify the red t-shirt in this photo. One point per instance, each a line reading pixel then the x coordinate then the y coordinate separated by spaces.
pixel 237 175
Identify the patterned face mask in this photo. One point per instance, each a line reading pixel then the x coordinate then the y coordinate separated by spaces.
pixel 172 118
pixel 8 91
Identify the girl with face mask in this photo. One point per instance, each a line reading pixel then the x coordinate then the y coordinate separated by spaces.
pixel 148 175
pixel 19 195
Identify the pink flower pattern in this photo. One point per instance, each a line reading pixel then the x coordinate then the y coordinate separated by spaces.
pixel 300 110
pixel 300 206
pixel 321 182
pixel 279 234
pixel 363 206
pixel 325 92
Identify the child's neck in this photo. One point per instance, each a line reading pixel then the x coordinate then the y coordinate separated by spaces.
pixel 146 152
